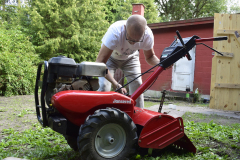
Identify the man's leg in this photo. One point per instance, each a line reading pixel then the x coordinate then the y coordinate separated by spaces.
pixel 131 68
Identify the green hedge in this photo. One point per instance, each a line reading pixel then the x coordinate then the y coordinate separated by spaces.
pixel 17 62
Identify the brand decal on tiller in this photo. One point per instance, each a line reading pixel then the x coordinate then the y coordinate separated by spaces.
pixel 121 101
pixel 168 50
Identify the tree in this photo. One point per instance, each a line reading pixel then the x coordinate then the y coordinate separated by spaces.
pixel 122 9
pixel 73 28
pixel 234 7
pixel 170 10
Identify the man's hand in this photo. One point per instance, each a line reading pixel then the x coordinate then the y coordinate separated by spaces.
pixel 122 90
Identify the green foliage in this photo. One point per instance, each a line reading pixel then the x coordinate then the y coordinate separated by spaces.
pixel 212 141
pixel 187 9
pixel 121 10
pixel 17 62
pixel 148 104
pixel 225 134
pixel 234 7
pixel 73 28
pixel 15 16
pixel 8 13
pixel 36 143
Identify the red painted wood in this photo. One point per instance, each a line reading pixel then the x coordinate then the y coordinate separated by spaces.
pixel 163 37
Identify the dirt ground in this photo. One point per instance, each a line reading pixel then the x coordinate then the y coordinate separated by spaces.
pixel 199 113
pixel 18 112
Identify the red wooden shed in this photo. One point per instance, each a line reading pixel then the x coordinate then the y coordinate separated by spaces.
pixel 200 72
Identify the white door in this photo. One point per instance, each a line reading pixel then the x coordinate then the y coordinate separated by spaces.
pixel 183 73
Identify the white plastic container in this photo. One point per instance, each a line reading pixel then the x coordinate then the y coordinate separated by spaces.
pixel 172 106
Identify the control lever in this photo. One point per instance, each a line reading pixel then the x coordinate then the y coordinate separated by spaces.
pixel 181 40
pixel 162 101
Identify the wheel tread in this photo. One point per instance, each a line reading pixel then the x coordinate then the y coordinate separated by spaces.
pixel 87 135
pixel 112 114
pixel 84 148
pixel 93 124
pixel 88 130
pixel 121 115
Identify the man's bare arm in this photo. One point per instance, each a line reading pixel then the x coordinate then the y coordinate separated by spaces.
pixel 150 57
pixel 103 56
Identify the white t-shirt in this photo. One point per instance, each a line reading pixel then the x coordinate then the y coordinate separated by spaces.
pixel 115 40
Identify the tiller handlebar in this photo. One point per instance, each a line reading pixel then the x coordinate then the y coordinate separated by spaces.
pixel 160 130
pixel 178 49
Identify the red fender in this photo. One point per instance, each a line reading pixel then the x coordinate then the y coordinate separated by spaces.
pixel 160 130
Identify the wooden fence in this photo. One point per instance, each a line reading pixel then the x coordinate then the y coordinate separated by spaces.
pixel 225 78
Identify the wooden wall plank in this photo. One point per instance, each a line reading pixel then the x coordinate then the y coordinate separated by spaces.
pixel 232 31
pixel 237 107
pixel 228 93
pixel 227 85
pixel 235 33
pixel 219 48
pixel 222 69
pixel 225 54
pixel 235 68
pixel 214 63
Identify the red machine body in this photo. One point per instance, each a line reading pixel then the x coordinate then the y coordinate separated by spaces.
pixel 159 130
pixel 83 110
pixel 77 105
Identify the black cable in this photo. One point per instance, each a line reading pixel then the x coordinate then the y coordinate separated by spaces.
pixel 131 75
pixel 211 48
pixel 151 84
pixel 137 77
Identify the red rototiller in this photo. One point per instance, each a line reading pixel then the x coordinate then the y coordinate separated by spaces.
pixel 107 125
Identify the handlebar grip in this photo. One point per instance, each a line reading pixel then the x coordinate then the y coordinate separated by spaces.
pixel 220 38
pixel 211 39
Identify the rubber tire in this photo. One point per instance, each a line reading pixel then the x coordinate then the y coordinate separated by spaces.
pixel 72 142
pixel 93 123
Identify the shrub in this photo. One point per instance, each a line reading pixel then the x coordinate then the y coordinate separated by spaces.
pixel 73 28
pixel 17 62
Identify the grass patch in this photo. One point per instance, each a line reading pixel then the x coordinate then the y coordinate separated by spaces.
pixel 35 143
pixel 213 141
pixel 148 104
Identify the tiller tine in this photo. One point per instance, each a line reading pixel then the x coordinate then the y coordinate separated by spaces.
pixel 163 130
pixel 185 143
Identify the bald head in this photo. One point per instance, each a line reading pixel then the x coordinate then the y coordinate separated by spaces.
pixel 136 23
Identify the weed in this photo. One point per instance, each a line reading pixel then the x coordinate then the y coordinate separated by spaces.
pixel 148 104
pixel 22 113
